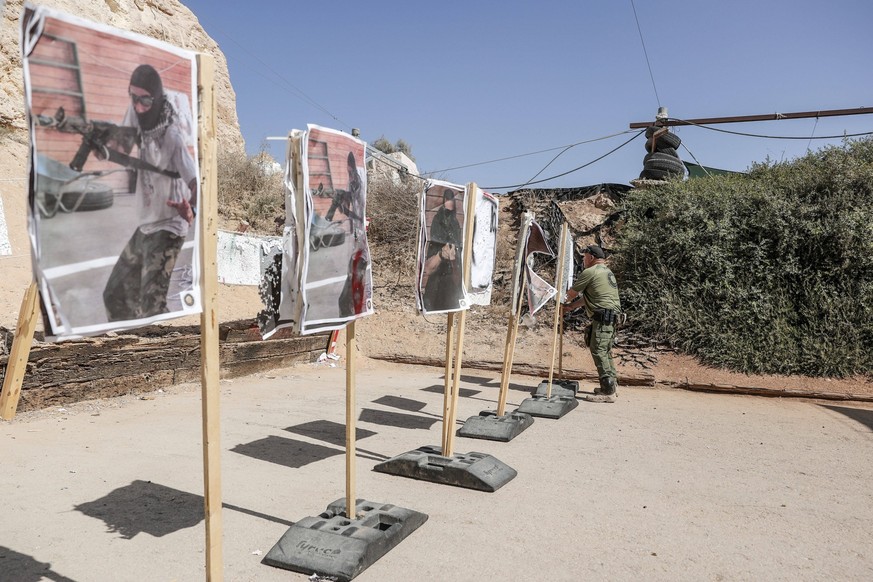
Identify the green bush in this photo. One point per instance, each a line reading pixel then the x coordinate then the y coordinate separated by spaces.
pixel 770 272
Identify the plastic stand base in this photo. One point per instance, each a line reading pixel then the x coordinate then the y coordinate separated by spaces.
pixel 336 546
pixel 559 388
pixel 491 427
pixel 471 470
pixel 554 407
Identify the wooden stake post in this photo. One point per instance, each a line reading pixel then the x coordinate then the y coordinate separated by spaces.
pixel 469 217
pixel 351 446
pixel 209 359
pixel 559 297
pixel 17 363
pixel 207 203
pixel 447 383
pixel 518 273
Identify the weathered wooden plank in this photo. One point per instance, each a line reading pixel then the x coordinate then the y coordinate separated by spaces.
pixel 150 358
pixel 108 388
pixel 524 369
pixel 771 392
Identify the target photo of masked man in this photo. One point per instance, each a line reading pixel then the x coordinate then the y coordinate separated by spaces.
pixel 337 272
pixel 114 175
pixel 440 262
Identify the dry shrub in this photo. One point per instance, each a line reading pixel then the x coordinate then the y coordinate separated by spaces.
pixel 250 190
pixel 392 208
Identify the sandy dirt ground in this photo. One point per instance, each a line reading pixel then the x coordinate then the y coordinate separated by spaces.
pixel 662 485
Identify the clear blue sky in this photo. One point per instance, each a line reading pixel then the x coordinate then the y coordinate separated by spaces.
pixel 466 82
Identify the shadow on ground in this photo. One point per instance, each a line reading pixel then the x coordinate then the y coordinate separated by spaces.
pixel 18 567
pixel 158 510
pixel 396 419
pixel 329 432
pixel 287 452
pixel 462 392
pixel 145 507
pixel 335 434
pixel 862 415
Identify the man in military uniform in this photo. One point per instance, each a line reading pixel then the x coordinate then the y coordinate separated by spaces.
pixel 597 290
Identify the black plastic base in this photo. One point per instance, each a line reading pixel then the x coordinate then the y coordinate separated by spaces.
pixel 554 407
pixel 495 428
pixel 333 545
pixel 471 470
pixel 559 388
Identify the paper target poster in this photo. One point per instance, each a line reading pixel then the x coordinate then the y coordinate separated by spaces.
pixel 243 258
pixel 326 273
pixel 337 282
pixel 441 287
pixel 568 266
pixel 114 175
pixel 484 255
pixel 539 291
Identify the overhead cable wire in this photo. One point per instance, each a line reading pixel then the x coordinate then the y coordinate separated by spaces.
pixel 533 153
pixel 585 165
pixel 684 122
pixel 809 143
pixel 562 152
pixel 380 154
pixel 646 53
pixel 702 167
pixel 297 92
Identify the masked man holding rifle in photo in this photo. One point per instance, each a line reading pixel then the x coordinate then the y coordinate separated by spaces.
pixel 597 290
pixel 166 204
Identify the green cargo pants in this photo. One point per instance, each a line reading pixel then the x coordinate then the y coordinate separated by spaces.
pixel 600 338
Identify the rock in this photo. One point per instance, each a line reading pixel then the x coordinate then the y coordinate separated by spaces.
pixel 166 20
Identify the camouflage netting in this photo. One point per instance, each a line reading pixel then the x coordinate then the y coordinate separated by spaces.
pixel 590 211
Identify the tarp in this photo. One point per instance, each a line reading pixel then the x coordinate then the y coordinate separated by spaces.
pixel 698 171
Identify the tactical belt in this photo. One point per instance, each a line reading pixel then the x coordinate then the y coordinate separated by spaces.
pixel 606 316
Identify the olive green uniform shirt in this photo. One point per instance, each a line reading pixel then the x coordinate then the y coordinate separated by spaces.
pixel 598 286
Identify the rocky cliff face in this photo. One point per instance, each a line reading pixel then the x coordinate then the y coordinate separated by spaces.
pixel 166 20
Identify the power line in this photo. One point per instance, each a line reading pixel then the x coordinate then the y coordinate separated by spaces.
pixel 685 122
pixel 531 153
pixel 568 171
pixel 297 92
pixel 705 171
pixel 562 152
pixel 646 53
pixel 809 143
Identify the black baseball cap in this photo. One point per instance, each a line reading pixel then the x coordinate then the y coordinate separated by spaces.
pixel 595 251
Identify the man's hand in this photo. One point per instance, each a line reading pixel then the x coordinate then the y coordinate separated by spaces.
pixel 184 209
pixel 448 252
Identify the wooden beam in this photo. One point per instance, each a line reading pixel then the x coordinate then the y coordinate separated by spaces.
pixel 351 448
pixel 644 378
pixel 17 363
pixel 745 118
pixel 466 262
pixel 447 384
pixel 209 358
pixel 559 298
pixel 515 311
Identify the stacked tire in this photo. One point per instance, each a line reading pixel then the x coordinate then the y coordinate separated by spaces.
pixel 662 162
